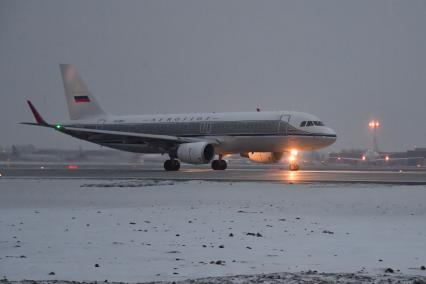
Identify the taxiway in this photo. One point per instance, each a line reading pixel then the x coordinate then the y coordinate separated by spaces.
pixel 237 173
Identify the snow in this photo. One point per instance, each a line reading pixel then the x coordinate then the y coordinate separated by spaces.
pixel 164 230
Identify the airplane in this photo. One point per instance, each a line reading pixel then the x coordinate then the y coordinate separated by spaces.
pixel 375 157
pixel 193 138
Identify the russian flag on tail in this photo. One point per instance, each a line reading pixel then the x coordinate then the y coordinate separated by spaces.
pixel 81 99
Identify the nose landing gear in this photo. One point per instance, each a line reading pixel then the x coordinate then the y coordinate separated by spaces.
pixel 171 165
pixel 293 167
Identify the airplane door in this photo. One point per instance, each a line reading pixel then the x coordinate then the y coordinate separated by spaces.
pixel 100 124
pixel 205 127
pixel 283 124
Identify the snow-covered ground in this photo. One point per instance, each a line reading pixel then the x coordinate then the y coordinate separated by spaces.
pixel 135 231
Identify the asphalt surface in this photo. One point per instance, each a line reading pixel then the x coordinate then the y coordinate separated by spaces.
pixel 235 173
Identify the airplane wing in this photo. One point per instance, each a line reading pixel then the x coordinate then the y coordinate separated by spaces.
pixel 113 138
pixel 348 159
pixel 107 136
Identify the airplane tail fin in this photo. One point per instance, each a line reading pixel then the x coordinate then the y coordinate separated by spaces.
pixel 81 103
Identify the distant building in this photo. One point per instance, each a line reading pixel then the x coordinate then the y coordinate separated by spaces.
pixel 417 152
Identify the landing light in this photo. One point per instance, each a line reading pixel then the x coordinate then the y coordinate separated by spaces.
pixel 294 152
pixel 387 158
pixel 292 158
pixel 363 158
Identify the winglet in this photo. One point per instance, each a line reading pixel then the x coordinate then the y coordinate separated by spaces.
pixel 36 114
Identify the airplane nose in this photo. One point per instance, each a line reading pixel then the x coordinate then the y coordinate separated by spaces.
pixel 329 131
pixel 331 134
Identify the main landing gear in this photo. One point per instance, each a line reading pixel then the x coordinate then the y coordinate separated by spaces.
pixel 219 165
pixel 293 166
pixel 171 165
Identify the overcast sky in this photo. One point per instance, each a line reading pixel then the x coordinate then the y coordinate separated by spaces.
pixel 344 61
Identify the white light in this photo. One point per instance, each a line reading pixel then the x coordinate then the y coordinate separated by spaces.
pixel 294 152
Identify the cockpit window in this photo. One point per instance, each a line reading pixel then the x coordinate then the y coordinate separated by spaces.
pixel 311 123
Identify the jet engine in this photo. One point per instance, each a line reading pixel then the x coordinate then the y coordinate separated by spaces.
pixel 195 153
pixel 264 157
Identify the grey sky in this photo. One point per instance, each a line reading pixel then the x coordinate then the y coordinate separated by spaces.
pixel 344 61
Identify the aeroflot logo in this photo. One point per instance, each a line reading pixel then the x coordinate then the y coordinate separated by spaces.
pixel 81 99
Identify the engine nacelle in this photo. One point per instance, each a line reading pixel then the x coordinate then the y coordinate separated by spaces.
pixel 195 153
pixel 264 157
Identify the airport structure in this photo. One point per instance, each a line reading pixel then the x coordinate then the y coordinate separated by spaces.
pixel 374 156
pixel 414 157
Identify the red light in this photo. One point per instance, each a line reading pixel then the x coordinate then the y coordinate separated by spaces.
pixel 72 167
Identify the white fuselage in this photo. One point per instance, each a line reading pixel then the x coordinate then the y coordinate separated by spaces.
pixel 236 132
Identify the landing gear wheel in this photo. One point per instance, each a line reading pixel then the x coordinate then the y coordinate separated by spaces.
pixel 171 165
pixel 293 167
pixel 219 165
pixel 223 165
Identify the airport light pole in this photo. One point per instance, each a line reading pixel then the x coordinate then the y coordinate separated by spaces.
pixel 374 125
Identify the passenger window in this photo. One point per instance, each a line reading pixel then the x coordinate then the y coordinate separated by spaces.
pixel 309 123
pixel 303 124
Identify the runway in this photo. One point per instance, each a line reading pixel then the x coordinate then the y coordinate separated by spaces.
pixel 235 174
